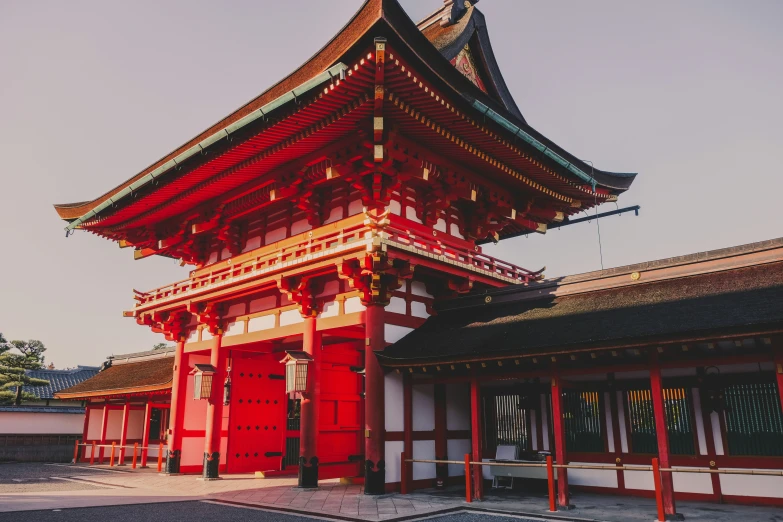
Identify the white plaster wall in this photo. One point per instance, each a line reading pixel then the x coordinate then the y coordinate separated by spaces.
pixel 608 415
pixel 353 305
pixel 457 406
pixel 699 424
pixel 252 243
pixel 262 303
pixel 425 450
pixel 235 328
pixel 136 424
pixel 330 309
pixel 114 425
pixel 356 206
pixel 419 309
pixel 290 317
pixel 751 486
pixel 636 480
pixel 393 333
pixel 393 399
pixel 22 423
pixel 420 289
pixel 274 235
pixel 440 225
pixel 300 226
pixel 336 214
pixel 621 419
pixel 692 482
pixel 193 336
pixel 717 434
pixel 424 408
pixel 265 322
pixel 544 422
pixel 410 213
pixel 94 424
pixel 392 457
pixel 397 305
pixel 592 477
pixel 457 448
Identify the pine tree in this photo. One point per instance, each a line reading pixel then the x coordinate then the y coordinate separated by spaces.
pixel 13 366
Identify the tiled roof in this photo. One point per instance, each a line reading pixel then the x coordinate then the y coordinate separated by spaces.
pixel 747 298
pixel 134 377
pixel 58 380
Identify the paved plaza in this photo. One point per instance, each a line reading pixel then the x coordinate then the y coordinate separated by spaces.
pixel 45 492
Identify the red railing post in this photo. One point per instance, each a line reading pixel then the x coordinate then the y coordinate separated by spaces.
pixel 160 457
pixel 658 489
pixel 76 451
pixel 111 457
pixel 550 476
pixel 135 454
pixel 403 474
pixel 467 477
pixel 92 454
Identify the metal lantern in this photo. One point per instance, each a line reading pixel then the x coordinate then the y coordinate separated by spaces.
pixel 296 364
pixel 202 381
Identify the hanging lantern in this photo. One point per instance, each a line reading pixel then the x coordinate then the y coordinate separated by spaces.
pixel 202 381
pixel 296 365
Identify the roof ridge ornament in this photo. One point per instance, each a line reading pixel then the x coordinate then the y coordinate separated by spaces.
pixel 458 8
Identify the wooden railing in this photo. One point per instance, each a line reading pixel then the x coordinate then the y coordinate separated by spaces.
pixel 349 234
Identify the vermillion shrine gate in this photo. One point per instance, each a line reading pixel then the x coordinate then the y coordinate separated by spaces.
pixel 343 211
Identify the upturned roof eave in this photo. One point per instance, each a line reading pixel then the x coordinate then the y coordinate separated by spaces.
pixel 386 18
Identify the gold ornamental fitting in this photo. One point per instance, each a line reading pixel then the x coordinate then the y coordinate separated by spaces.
pixel 618 461
pixel 636 276
pixel 712 463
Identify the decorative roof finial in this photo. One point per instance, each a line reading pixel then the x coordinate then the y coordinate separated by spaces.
pixel 458 8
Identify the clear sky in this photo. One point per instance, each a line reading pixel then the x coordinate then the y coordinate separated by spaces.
pixel 688 94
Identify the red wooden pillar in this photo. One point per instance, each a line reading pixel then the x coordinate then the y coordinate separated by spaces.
pixel 310 405
pixel 124 435
pixel 667 484
pixel 177 413
pixel 214 427
pixel 779 369
pixel 85 430
pixel 558 427
pixel 477 437
pixel 374 411
pixel 441 436
pixel 145 438
pixel 407 417
pixel 104 427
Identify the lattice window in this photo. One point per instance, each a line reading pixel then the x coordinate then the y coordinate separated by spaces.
pixel 505 422
pixel 754 423
pixel 582 418
pixel 641 421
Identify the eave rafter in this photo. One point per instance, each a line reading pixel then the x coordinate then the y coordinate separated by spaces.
pixel 418 84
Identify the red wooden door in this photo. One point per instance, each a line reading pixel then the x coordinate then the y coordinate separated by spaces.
pixel 258 410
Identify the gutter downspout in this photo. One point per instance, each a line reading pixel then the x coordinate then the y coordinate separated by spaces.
pixel 337 70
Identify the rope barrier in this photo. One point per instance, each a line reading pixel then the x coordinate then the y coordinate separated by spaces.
pixel 654 468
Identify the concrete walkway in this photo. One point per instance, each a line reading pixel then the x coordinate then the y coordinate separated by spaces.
pixel 111 487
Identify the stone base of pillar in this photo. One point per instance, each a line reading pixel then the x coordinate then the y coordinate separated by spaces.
pixel 374 479
pixel 172 462
pixel 211 465
pixel 569 507
pixel 676 516
pixel 308 473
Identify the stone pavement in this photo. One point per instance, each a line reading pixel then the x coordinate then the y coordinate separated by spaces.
pixel 111 487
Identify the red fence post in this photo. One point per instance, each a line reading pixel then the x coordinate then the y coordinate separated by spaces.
pixel 658 489
pixel 550 476
pixel 467 477
pixel 92 454
pixel 160 457
pixel 76 451
pixel 403 474
pixel 111 457
pixel 135 454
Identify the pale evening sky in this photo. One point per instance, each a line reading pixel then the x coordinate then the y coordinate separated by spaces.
pixel 688 94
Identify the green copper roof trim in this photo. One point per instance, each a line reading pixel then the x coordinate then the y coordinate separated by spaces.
pixel 530 140
pixel 336 71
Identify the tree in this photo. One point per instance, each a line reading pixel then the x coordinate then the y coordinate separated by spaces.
pixel 13 366
pixel 161 346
